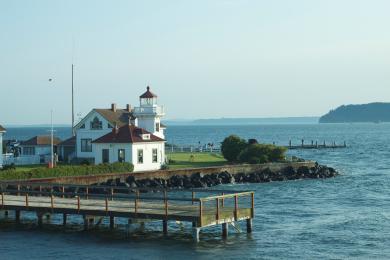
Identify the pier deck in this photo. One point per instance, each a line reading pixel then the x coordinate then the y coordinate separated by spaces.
pixel 201 207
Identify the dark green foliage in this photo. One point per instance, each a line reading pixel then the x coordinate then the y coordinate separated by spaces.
pixel 262 153
pixel 232 146
pixel 69 170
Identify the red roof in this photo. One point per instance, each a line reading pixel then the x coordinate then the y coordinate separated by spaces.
pixel 41 140
pixel 148 94
pixel 2 129
pixel 128 134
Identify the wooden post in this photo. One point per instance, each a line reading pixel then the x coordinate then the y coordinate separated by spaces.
pixel 193 197
pixel 249 225
pixel 64 219
pixel 86 192
pixel 112 193
pixel 200 212
pixel 26 200
pixel 40 190
pixel 235 207
pixel 17 216
pixel 106 205
pixel 225 230
pixel 40 219
pixel 223 200
pixel 63 191
pixel 78 203
pixel 2 199
pixel 217 207
pixel 135 205
pixel 252 204
pixel 165 227
pixel 195 233
pixel 112 222
pixel 52 201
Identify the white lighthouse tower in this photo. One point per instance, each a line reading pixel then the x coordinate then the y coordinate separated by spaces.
pixel 149 113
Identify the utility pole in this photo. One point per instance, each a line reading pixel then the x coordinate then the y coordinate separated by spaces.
pixel 73 132
pixel 52 139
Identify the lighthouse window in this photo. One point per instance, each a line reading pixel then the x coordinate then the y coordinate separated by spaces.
pixel 157 127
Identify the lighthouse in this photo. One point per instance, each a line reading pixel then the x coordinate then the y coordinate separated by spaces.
pixel 149 113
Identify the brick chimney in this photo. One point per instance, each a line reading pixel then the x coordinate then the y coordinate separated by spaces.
pixel 128 108
pixel 113 107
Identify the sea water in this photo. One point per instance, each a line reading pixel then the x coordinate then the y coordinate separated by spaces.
pixel 338 218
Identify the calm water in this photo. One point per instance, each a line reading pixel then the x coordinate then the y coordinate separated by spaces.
pixel 339 218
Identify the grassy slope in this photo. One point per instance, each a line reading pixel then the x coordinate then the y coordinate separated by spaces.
pixel 183 160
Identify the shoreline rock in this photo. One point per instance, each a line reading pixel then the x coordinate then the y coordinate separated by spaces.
pixel 199 180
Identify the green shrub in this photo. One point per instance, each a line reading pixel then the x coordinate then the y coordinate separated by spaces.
pixel 66 170
pixel 232 146
pixel 262 153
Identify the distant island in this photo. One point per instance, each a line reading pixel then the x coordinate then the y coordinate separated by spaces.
pixel 372 112
pixel 245 121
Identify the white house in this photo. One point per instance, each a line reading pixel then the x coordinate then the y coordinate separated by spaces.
pixel 130 144
pixel 144 119
pixel 2 131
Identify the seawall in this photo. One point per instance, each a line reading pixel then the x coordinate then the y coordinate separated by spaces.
pixel 201 177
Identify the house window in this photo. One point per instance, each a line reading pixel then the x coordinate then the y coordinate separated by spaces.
pixel 121 155
pixel 28 150
pixel 140 156
pixel 82 126
pixel 146 137
pixel 157 127
pixel 96 124
pixel 86 145
pixel 109 125
pixel 154 159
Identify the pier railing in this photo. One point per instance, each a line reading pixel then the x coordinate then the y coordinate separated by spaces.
pixel 200 206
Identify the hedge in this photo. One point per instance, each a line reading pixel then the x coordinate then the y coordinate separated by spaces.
pixel 68 170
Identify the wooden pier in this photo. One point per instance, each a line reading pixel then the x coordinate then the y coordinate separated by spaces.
pixel 316 145
pixel 203 208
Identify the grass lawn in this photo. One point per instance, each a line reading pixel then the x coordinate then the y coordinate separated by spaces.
pixel 27 168
pixel 184 160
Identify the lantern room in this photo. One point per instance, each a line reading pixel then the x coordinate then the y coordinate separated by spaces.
pixel 148 98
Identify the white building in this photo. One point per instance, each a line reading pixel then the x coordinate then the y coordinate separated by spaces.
pixel 39 147
pixel 129 143
pixel 2 131
pixel 144 120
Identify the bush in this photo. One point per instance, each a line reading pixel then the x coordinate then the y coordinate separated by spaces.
pixel 262 153
pixel 232 146
pixel 68 170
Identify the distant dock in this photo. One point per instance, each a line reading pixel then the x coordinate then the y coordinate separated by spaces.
pixel 217 149
pixel 202 208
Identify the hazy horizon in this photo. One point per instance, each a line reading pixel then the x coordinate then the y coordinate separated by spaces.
pixel 204 59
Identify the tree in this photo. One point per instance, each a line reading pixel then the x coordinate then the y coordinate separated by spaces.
pixel 262 153
pixel 232 146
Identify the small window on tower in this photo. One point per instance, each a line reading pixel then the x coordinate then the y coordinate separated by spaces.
pixel 157 127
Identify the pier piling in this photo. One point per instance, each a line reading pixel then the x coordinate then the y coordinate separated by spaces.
pixel 17 216
pixel 225 230
pixel 165 227
pixel 195 233
pixel 249 225
pixel 64 219
pixel 40 219
pixel 112 222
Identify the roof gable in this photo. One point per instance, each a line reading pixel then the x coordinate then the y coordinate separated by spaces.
pixel 118 117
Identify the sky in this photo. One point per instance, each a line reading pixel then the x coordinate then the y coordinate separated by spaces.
pixel 203 58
